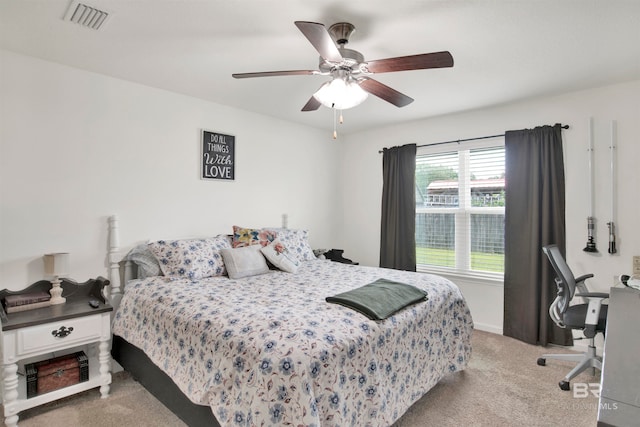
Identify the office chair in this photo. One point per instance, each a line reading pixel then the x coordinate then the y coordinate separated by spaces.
pixel 590 317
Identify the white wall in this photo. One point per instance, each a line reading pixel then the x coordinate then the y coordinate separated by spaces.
pixel 76 147
pixel 363 179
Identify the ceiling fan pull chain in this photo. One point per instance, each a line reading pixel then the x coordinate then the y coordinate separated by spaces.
pixel 341 119
pixel 335 133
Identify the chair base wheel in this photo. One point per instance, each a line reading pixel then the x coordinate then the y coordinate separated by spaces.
pixel 542 361
pixel 564 385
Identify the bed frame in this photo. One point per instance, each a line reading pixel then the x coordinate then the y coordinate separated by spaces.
pixel 134 360
pixel 156 382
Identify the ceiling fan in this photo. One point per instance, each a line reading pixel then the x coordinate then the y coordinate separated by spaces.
pixel 350 83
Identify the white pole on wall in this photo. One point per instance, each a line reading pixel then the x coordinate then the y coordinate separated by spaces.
pixel 591 244
pixel 612 158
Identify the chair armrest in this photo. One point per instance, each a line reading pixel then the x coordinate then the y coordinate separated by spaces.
pixel 593 313
pixel 583 278
pixel 601 295
pixel 581 286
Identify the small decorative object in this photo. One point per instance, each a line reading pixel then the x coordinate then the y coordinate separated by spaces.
pixel 28 301
pixel 336 256
pixel 56 373
pixel 56 265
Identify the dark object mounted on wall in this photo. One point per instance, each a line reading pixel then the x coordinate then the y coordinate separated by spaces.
pixel 612 237
pixel 591 244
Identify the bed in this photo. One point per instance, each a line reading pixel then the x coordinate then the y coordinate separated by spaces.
pixel 268 349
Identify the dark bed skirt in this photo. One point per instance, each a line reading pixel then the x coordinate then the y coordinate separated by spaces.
pixel 152 378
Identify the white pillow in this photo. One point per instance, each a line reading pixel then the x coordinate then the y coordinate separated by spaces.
pixel 245 261
pixel 278 254
pixel 297 242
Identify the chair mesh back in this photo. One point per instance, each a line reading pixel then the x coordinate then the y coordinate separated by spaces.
pixel 563 272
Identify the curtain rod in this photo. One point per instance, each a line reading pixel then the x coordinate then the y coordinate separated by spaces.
pixel 463 140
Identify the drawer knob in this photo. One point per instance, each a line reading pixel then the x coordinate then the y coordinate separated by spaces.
pixel 62 332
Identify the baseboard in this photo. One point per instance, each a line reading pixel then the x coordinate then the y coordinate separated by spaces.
pixel 487 328
pixel 579 346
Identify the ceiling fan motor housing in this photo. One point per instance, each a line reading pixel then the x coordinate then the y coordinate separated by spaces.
pixel 350 59
pixel 341 32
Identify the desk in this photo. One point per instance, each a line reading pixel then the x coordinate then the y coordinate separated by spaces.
pixel 620 386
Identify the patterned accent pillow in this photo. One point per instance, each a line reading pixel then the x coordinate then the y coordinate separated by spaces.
pixel 244 261
pixel 278 255
pixel 252 236
pixel 296 241
pixel 191 258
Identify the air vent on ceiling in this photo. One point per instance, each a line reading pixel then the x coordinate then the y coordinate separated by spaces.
pixel 85 15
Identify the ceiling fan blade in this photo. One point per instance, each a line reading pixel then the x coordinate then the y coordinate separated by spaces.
pixel 312 104
pixel 412 62
pixel 275 73
pixel 320 39
pixel 383 91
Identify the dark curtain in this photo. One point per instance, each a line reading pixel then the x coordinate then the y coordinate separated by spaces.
pixel 534 217
pixel 398 225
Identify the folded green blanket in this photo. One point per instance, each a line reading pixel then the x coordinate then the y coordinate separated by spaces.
pixel 380 299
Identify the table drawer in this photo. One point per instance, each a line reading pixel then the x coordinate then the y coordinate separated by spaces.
pixel 60 334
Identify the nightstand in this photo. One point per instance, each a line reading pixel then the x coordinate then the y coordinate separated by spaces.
pixel 43 333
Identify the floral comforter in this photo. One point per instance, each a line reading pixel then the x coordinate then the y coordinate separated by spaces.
pixel 268 350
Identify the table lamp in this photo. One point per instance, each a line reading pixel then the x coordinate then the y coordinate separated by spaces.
pixel 56 265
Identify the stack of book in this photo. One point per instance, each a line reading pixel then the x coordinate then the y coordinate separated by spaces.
pixel 22 302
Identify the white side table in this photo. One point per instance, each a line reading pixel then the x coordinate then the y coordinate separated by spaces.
pixel 56 328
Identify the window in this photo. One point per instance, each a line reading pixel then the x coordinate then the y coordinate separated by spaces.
pixel 460 210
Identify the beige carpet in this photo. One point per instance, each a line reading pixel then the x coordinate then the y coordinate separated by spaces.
pixel 503 386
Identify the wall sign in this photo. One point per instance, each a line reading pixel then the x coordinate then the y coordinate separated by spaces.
pixel 218 152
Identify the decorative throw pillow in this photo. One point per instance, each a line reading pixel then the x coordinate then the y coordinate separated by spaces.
pixel 244 261
pixel 145 261
pixel 252 236
pixel 296 241
pixel 191 258
pixel 278 255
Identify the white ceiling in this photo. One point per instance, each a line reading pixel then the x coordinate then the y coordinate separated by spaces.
pixel 504 50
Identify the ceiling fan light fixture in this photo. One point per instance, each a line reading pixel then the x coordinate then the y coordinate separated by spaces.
pixel 341 93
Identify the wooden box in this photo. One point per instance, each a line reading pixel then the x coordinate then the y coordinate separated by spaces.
pixel 59 372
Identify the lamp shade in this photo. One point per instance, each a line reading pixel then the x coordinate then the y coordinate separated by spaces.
pixel 56 264
pixel 341 93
